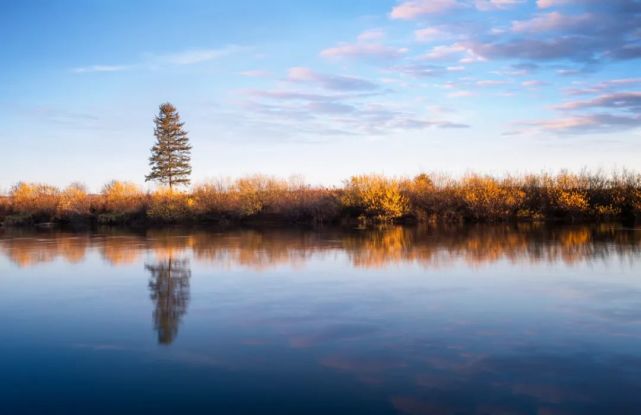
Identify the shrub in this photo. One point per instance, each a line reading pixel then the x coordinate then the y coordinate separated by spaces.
pixel 123 198
pixel 5 205
pixel 167 205
pixel 486 198
pixel 74 201
pixel 376 196
pixel 37 200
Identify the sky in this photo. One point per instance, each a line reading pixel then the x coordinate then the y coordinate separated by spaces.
pixel 319 89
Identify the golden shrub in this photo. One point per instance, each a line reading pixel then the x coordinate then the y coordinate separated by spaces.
pixel 34 199
pixel 377 196
pixel 487 198
pixel 74 200
pixel 573 202
pixel 123 198
pixel 169 205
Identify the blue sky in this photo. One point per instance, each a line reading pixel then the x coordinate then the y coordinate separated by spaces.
pixel 322 89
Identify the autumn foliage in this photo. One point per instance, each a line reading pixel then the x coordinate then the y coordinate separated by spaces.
pixel 362 199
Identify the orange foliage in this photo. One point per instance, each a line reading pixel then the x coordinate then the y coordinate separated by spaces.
pixel 425 198
pixel 123 198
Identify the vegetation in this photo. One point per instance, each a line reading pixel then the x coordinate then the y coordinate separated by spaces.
pixel 362 200
pixel 170 159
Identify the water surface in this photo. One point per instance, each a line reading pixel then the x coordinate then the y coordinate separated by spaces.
pixel 474 320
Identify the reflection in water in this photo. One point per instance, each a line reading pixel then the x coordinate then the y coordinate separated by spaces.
pixel 429 247
pixel 169 286
pixel 514 320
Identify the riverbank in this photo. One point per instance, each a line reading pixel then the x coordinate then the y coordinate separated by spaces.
pixel 363 200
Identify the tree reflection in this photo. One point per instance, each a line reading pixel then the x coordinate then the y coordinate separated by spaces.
pixel 169 287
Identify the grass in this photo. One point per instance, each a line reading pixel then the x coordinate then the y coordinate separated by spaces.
pixel 362 199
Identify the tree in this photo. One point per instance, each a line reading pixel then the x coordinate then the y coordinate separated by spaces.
pixel 170 159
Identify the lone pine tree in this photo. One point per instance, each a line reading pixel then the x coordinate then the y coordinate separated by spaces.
pixel 170 159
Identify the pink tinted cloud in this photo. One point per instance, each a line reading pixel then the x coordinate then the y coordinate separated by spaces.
pixel 414 9
pixel 363 51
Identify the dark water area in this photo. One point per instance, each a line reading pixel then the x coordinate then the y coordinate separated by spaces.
pixel 473 320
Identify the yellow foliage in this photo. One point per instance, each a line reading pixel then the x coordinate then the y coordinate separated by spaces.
pixel 168 205
pixel 486 197
pixel 123 197
pixel 74 201
pixel 31 198
pixel 378 196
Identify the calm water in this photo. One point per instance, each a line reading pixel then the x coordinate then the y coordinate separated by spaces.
pixel 479 320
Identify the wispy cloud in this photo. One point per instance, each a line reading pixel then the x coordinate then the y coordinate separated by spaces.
pixel 101 68
pixel 414 9
pixel 590 116
pixel 627 101
pixel 256 73
pixel 487 5
pixel 148 61
pixel 367 51
pixel 332 82
pixel 371 35
pixel 194 56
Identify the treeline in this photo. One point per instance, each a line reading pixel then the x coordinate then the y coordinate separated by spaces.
pixel 362 199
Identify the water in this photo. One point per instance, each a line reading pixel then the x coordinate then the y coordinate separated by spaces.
pixel 476 320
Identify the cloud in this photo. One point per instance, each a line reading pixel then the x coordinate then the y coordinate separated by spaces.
pixel 554 21
pixel 332 82
pixel 460 94
pixel 627 101
pixel 588 116
pixel 414 9
pixel 486 5
pixel 347 113
pixel 575 48
pixel 604 86
pixel 583 124
pixel 490 82
pixel 101 68
pixel 256 73
pixel 429 34
pixel 194 56
pixel 367 51
pixel 149 61
pixel 533 83
pixel 460 51
pixel 371 35
pixel 420 70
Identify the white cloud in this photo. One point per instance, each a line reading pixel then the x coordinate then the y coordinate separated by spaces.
pixel 485 5
pixel 429 34
pixel 332 82
pixel 256 73
pixel 460 94
pixel 413 9
pixel 194 56
pixel 363 51
pixel 371 35
pixel 552 21
pixel 101 68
